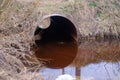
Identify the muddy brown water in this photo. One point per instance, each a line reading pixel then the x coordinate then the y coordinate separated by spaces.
pixel 57 54
pixel 91 60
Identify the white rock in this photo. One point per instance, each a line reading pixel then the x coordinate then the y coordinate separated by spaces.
pixel 65 77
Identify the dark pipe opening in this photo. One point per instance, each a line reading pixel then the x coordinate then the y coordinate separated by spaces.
pixel 57 43
pixel 60 30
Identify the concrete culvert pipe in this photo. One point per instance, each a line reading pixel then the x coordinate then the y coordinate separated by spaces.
pixel 55 28
pixel 56 38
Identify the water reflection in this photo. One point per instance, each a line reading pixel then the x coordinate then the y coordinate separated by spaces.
pixel 57 54
pixel 94 61
pixel 95 52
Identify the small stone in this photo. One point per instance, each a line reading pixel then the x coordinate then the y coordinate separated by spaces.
pixel 15 46
pixel 19 25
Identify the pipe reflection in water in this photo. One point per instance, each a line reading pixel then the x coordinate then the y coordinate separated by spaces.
pixel 94 61
pixel 57 55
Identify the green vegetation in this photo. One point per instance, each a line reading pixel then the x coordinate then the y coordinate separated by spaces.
pixel 93 4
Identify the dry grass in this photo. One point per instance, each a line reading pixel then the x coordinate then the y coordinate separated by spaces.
pixel 90 17
pixel 19 18
pixel 16 59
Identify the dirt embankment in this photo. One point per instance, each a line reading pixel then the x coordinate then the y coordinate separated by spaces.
pixel 93 19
